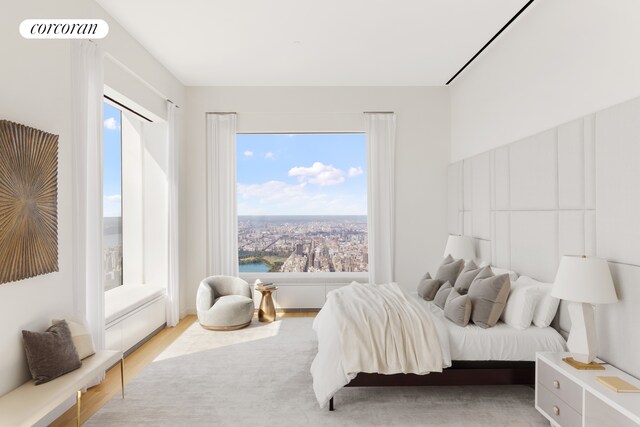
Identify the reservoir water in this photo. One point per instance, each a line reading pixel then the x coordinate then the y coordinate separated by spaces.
pixel 254 267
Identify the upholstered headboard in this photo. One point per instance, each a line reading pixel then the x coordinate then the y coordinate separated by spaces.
pixel 573 189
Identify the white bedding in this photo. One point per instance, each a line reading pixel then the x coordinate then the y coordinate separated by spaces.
pixel 369 328
pixel 501 342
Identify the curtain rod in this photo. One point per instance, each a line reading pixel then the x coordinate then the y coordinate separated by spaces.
pixel 127 108
pixel 221 112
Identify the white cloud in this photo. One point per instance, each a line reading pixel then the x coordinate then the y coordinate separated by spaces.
pixel 355 171
pixel 111 123
pixel 319 174
pixel 281 198
pixel 248 153
pixel 268 155
pixel 112 205
pixel 271 191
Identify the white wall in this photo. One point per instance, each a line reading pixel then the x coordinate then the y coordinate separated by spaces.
pixel 560 60
pixel 35 90
pixel 43 101
pixel 422 157
pixel 144 201
pixel 155 211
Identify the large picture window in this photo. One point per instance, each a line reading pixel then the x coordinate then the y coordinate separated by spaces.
pixel 302 203
pixel 112 194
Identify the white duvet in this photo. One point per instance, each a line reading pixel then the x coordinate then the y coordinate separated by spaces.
pixel 374 328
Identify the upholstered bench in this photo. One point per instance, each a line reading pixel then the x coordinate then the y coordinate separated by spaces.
pixel 30 403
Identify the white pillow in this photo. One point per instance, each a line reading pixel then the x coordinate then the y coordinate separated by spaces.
pixel 521 305
pixel 513 276
pixel 81 336
pixel 547 305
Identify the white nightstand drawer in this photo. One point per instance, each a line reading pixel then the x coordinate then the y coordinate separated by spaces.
pixel 557 409
pixel 560 385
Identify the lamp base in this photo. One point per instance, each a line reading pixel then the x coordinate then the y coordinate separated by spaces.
pixel 582 341
pixel 593 366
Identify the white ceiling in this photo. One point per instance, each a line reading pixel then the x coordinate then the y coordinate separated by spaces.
pixel 312 42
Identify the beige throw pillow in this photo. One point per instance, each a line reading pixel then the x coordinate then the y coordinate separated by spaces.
pixel 81 336
pixel 428 287
pixel 442 294
pixel 449 270
pixel 464 280
pixel 488 295
pixel 458 308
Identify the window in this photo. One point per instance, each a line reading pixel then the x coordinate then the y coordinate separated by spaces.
pixel 302 203
pixel 112 202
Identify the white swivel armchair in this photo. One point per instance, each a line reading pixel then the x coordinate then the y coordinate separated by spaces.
pixel 224 303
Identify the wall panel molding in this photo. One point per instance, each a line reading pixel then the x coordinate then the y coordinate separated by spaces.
pixel 573 189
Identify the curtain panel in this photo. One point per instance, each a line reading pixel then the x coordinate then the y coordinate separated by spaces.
pixel 381 130
pixel 222 221
pixel 87 87
pixel 173 284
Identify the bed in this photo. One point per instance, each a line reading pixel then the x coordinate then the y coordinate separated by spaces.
pixel 468 355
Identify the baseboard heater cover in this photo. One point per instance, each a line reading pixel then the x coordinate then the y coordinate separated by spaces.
pixel 144 340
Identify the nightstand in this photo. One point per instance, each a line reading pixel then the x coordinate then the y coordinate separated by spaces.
pixel 569 397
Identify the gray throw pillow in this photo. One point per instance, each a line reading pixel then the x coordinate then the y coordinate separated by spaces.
pixel 442 294
pixel 488 295
pixel 463 282
pixel 428 287
pixel 458 308
pixel 50 354
pixel 449 270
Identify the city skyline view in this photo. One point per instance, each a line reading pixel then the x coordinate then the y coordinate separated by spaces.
pixel 302 202
pixel 303 243
pixel 112 198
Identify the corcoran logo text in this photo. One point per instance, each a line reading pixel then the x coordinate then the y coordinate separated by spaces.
pixel 64 29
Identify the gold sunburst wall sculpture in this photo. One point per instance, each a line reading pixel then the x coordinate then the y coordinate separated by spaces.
pixel 28 202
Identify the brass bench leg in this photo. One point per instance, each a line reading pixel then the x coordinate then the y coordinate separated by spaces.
pixel 78 406
pixel 122 375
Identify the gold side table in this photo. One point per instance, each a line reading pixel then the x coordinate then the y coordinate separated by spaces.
pixel 267 310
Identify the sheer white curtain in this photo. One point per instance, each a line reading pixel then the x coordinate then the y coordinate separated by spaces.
pixel 381 131
pixel 87 87
pixel 173 285
pixel 222 222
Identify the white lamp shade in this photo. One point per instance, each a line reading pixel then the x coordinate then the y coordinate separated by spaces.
pixel 460 247
pixel 584 279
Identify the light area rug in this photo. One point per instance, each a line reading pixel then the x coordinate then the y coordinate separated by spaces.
pixel 260 376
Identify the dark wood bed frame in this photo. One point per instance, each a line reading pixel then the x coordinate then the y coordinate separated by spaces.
pixel 460 373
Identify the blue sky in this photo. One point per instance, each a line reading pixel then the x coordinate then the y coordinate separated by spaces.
pixel 112 184
pixel 301 174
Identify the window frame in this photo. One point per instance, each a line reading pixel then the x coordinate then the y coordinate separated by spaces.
pixel 303 277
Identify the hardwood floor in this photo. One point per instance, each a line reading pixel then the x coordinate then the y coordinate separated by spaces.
pixel 96 397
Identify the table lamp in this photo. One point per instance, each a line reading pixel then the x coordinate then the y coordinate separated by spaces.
pixel 583 281
pixel 460 247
